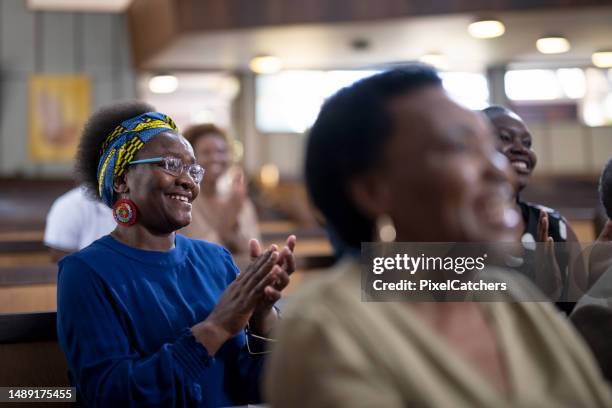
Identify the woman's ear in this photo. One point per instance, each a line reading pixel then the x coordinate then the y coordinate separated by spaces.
pixel 371 195
pixel 120 184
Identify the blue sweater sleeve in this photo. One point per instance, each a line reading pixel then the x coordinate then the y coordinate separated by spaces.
pixel 249 366
pixel 107 370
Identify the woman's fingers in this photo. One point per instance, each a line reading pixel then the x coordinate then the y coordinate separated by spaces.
pixel 291 240
pixel 550 247
pixel 260 273
pixel 254 249
pixel 542 226
pixel 254 266
pixel 259 289
pixel 287 260
pixel 282 280
pixel 272 295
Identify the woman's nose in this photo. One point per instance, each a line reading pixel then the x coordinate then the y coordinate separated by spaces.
pixel 518 146
pixel 185 180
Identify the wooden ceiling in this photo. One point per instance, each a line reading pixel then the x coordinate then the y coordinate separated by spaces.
pixel 156 24
pixel 201 15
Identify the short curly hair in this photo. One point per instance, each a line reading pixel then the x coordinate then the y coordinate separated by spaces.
pixel 97 128
pixel 196 132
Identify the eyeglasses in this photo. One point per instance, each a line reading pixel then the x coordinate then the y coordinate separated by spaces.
pixel 175 166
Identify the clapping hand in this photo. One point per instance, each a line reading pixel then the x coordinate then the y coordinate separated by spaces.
pixel 239 301
pixel 548 274
pixel 264 315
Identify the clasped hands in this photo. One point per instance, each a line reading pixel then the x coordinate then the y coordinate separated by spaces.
pixel 250 298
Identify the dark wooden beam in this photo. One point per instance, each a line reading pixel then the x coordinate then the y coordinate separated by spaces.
pixel 153 26
pixel 203 15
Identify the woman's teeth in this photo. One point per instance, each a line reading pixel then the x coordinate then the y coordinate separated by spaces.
pixel 180 198
pixel 519 165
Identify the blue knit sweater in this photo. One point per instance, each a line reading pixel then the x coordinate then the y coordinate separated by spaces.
pixel 123 323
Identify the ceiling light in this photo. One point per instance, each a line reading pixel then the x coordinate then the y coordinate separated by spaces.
pixel 602 59
pixel 439 61
pixel 486 29
pixel 553 45
pixel 265 64
pixel 163 84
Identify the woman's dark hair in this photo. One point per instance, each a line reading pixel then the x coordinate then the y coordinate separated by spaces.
pixel 197 132
pixel 494 111
pixel 97 128
pixel 347 139
pixel 605 188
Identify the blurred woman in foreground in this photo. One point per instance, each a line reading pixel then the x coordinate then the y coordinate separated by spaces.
pixel 394 148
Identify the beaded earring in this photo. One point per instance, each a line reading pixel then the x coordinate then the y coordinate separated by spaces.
pixel 124 212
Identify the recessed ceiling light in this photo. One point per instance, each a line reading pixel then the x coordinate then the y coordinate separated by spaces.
pixel 265 64
pixel 553 45
pixel 163 84
pixel 602 59
pixel 486 29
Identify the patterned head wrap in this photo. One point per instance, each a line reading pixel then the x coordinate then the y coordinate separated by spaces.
pixel 121 146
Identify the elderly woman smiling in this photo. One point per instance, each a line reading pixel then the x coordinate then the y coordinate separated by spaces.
pixel 147 317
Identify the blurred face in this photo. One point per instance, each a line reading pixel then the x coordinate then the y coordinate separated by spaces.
pixel 515 144
pixel 163 200
pixel 214 155
pixel 444 177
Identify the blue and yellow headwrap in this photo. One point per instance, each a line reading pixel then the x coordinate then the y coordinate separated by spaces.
pixel 122 144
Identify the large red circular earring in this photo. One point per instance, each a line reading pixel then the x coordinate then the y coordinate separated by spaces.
pixel 124 212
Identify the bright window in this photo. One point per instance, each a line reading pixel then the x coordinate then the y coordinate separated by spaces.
pixel 545 84
pixel 597 103
pixel 289 101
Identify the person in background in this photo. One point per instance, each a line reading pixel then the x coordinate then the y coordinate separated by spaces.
pixel 394 150
pixel 593 313
pixel 74 221
pixel 224 217
pixel 148 317
pixel 542 224
pixel 599 254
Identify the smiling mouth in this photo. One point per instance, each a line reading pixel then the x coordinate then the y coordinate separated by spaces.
pixel 520 166
pixel 177 197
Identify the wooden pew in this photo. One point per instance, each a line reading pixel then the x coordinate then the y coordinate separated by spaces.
pixel 30 354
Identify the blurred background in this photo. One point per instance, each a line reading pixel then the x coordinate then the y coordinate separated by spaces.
pixel 261 69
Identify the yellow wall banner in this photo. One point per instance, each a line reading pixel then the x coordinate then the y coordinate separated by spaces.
pixel 59 107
